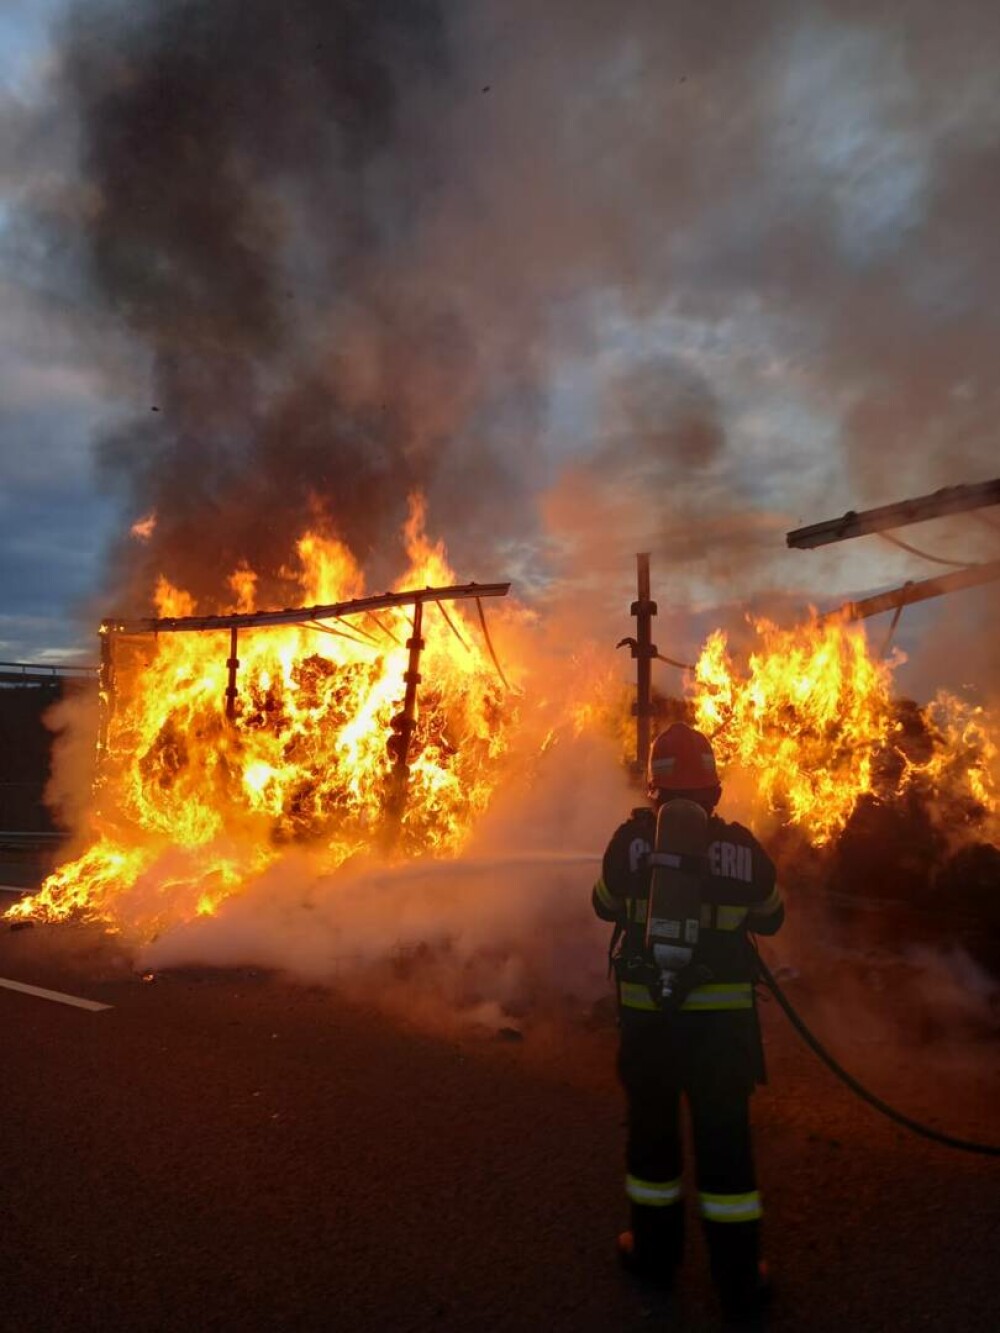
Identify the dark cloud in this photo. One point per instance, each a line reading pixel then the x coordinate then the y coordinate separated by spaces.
pixel 50 565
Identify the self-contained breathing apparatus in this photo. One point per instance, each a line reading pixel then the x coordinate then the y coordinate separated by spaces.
pixel 668 963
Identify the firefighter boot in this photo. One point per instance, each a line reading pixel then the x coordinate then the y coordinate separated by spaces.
pixel 746 1306
pixel 652 1249
pixel 739 1275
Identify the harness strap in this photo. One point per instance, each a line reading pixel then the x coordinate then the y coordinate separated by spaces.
pixel 616 934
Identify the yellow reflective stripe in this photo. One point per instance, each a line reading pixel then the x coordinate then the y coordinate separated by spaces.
pixel 736 995
pixel 634 996
pixel 605 897
pixel 655 1193
pixel 730 1207
pixel 637 908
pixel 729 918
pixel 721 917
pixel 770 904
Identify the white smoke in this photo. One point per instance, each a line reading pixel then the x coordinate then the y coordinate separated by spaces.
pixel 504 930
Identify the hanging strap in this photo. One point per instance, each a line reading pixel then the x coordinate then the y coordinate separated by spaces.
pixel 384 628
pixel 338 633
pixel 924 555
pixel 451 624
pixel 892 630
pixel 489 642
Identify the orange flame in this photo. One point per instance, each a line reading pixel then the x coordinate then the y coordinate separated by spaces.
pixel 190 806
pixel 143 528
pixel 812 720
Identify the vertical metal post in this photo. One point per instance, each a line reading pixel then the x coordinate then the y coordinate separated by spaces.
pixel 644 651
pixel 232 662
pixel 106 690
pixel 404 723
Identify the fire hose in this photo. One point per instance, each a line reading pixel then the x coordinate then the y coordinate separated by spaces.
pixel 925 1131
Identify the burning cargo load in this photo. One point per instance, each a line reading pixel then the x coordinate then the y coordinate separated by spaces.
pixel 203 785
pixel 382 292
pixel 873 801
pixel 810 717
pixel 212 766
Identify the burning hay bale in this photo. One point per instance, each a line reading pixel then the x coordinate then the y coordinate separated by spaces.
pixel 889 850
pixel 812 720
pixel 922 837
pixel 876 799
pixel 967 891
pixel 864 794
pixel 193 800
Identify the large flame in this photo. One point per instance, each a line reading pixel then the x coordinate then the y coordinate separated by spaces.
pixel 809 715
pixel 191 805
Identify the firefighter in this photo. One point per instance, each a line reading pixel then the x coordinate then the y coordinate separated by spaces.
pixel 704 1043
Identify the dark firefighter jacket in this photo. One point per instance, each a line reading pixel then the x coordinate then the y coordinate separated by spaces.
pixel 739 895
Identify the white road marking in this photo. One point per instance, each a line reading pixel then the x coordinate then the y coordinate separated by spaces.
pixel 57 995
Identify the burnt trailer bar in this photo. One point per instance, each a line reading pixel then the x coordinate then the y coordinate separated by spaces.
pixel 881 521
pixel 967 499
pixel 312 617
pixel 950 500
pixel 972 576
pixel 643 650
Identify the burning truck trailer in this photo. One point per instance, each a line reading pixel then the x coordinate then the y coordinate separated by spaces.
pixel 339 728
pixel 348 617
pixel 350 724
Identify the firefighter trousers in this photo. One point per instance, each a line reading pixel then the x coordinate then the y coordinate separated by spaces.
pixel 713 1059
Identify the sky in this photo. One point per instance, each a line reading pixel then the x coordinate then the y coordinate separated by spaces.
pixel 55 523
pixel 599 282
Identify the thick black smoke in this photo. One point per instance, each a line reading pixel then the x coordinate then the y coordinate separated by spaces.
pixel 260 172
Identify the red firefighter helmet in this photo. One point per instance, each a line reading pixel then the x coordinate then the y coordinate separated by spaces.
pixel 681 759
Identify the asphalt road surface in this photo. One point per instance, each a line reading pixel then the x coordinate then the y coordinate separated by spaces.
pixel 231 1151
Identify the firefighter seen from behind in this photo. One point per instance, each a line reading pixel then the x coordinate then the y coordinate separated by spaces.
pixel 685 889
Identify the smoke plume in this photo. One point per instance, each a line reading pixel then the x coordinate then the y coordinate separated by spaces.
pixel 717 267
pixel 503 933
